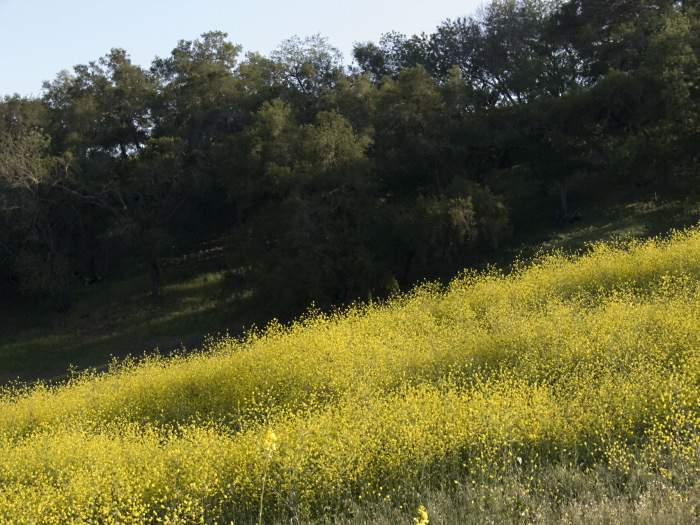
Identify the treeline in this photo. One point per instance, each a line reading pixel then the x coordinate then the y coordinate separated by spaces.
pixel 331 183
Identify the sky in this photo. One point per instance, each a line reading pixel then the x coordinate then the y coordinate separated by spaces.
pixel 40 38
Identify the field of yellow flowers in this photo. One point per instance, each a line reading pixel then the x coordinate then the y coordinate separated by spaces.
pixel 566 391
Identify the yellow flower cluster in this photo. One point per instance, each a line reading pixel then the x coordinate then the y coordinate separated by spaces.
pixel 570 363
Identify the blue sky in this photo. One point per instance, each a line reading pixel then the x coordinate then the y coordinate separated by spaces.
pixel 39 38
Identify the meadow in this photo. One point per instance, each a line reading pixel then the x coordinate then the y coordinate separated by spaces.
pixel 566 391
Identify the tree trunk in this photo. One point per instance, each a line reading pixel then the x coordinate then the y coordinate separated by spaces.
pixel 154 272
pixel 564 199
pixel 562 213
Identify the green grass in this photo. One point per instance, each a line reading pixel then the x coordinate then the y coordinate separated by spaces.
pixel 593 499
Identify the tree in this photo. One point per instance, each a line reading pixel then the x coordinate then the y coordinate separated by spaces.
pixel 130 176
pixel 613 35
pixel 371 60
pixel 663 129
pixel 305 230
pixel 306 69
pixel 394 53
pixel 35 214
pixel 509 53
pixel 411 119
pixel 22 114
pixel 155 192
pixel 258 77
pixel 104 106
pixel 356 97
pixel 198 91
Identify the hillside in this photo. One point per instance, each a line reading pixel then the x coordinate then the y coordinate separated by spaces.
pixel 565 390
pixel 116 318
pixel 296 180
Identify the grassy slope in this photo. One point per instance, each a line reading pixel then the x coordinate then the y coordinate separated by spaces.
pixel 115 319
pixel 566 392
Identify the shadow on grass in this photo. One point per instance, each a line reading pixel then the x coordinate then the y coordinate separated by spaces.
pixel 614 214
pixel 114 320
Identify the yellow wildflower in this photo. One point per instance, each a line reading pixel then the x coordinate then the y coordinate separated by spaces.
pixel 270 443
pixel 422 518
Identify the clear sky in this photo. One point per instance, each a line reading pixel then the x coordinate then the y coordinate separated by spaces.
pixel 39 38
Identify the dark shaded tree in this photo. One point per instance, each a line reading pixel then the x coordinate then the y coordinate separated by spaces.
pixel 36 215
